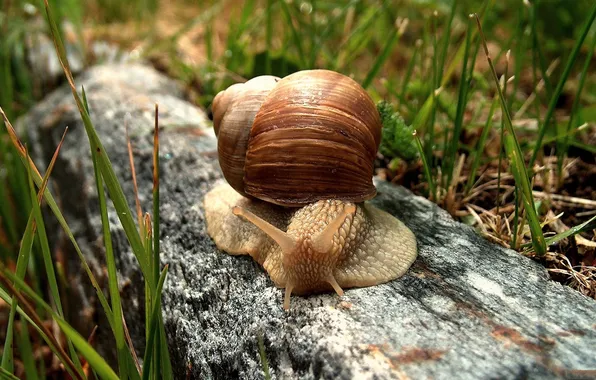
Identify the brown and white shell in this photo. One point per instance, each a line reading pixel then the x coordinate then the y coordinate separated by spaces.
pixel 310 136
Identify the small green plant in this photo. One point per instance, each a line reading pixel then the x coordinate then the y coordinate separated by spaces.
pixel 397 139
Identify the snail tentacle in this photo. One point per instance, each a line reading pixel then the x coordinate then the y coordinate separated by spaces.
pixel 323 241
pixel 286 242
pixel 331 280
pixel 288 296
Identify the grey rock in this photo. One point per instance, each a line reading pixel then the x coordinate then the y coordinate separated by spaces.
pixel 42 59
pixel 41 54
pixel 467 308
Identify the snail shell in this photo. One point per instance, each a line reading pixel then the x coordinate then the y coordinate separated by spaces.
pixel 314 127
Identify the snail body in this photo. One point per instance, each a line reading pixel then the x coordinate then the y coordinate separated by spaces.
pixel 308 140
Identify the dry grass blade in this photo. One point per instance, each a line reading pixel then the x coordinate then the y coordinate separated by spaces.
pixel 91 341
pixel 131 345
pixel 44 184
pixel 523 109
pixel 15 140
pixel 584 279
pixel 134 181
pixel 585 203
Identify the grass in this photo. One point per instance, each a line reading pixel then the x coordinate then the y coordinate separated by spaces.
pixel 156 360
pixel 502 152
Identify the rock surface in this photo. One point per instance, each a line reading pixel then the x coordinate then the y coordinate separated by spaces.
pixel 466 309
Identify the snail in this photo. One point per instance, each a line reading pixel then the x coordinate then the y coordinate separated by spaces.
pixel 298 157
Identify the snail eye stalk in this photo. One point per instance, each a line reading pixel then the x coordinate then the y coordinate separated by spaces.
pixel 323 241
pixel 285 241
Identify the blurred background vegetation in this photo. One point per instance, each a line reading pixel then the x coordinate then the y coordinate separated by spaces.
pixel 425 58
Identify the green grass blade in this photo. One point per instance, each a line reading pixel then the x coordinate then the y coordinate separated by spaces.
pixel 445 42
pixel 410 69
pixel 516 225
pixel 564 146
pixel 555 98
pixel 7 353
pixel 381 58
pixel 480 146
pixel 586 226
pixel 353 43
pixel 537 50
pixel 156 248
pixel 451 151
pixel 295 36
pixel 425 111
pixel 445 76
pixel 268 35
pixel 35 220
pixel 570 134
pixel 502 140
pixel 116 304
pixel 516 160
pixel 107 171
pixel 263 356
pixel 22 263
pixel 167 372
pixel 118 328
pixel 8 213
pixel 586 147
pixel 151 297
pixel 93 358
pixel 26 351
pixel 36 209
pixel 4 374
pixel 429 136
pixel 427 170
pixel 45 249
pixel 155 312
pixel 164 356
pixel 149 290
